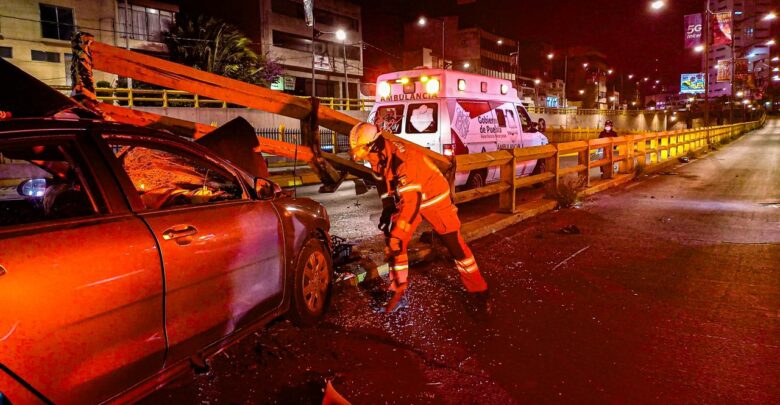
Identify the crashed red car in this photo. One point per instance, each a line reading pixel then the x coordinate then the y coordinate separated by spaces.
pixel 129 254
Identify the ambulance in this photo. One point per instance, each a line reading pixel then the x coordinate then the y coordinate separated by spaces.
pixel 454 113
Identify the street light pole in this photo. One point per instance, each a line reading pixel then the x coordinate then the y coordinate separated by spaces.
pixel 707 68
pixel 313 72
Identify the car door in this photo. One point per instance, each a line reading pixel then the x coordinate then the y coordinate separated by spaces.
pixel 81 304
pixel 222 251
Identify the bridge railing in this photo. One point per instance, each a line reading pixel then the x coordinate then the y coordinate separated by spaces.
pixel 620 155
pixel 176 98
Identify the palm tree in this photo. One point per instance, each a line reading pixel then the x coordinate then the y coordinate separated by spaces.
pixel 212 45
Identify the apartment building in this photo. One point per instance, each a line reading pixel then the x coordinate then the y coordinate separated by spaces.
pixel 751 35
pixel 36 35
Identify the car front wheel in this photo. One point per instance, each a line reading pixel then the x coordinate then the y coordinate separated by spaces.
pixel 312 284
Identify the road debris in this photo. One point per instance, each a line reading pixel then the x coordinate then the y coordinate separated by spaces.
pixel 571 257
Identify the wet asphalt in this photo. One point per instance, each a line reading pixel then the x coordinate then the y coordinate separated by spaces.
pixel 663 290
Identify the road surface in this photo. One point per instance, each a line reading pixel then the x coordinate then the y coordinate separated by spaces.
pixel 667 290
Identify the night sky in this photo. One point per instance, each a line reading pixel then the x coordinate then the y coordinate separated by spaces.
pixel 627 31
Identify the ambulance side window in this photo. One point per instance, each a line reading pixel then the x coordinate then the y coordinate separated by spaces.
pixel 510 119
pixel 390 118
pixel 501 118
pixel 422 118
pixel 525 119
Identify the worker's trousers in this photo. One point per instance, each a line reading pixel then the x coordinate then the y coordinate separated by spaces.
pixel 443 217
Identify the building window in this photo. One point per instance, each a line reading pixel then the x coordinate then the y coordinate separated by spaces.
pixel 6 52
pixel 146 23
pixel 43 56
pixel 56 22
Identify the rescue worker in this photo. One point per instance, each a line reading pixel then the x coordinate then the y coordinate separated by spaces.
pixel 412 189
pixel 608 132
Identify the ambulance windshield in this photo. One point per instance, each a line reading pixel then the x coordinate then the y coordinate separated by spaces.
pixel 390 117
pixel 422 118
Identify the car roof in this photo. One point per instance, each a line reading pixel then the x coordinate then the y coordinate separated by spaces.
pixel 20 127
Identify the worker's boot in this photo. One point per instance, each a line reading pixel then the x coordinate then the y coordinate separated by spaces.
pixel 479 305
pixel 398 300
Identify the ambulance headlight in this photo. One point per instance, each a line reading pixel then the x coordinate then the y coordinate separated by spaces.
pixel 504 89
pixel 461 85
pixel 383 89
pixel 432 87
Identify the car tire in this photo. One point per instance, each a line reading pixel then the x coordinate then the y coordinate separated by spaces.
pixel 476 179
pixel 312 284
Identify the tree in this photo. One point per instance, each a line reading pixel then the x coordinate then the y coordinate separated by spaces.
pixel 212 45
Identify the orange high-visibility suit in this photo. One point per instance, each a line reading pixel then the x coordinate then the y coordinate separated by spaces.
pixel 420 191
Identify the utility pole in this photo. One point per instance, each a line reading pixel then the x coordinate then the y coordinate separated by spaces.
pixel 706 35
pixel 313 72
pixel 128 14
pixel 733 66
pixel 346 79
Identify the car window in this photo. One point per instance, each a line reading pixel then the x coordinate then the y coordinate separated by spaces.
pixel 389 118
pixel 167 178
pixel 422 118
pixel 41 182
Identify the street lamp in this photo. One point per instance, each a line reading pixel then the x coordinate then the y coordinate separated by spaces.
pixel 537 81
pixel 585 65
pixel 657 5
pixel 631 76
pixel 609 72
pixel 646 79
pixel 770 42
pixel 466 65
pixel 770 16
pixel 698 48
pixel 775 59
pixel 582 92
pixel 550 56
pixel 422 21
pixel 500 42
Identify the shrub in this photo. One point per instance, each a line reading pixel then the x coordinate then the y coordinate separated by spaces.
pixel 566 192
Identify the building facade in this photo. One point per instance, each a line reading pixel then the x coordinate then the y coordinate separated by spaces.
pixel 470 49
pixel 286 37
pixel 36 35
pixel 751 33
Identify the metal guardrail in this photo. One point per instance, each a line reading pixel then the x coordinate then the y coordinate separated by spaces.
pixel 176 98
pixel 627 152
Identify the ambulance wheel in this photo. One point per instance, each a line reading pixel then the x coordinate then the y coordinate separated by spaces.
pixel 312 284
pixel 476 179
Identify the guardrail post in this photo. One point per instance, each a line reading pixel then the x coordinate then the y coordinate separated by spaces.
pixel 507 199
pixel 197 101
pixel 333 137
pixel 628 163
pixel 165 98
pixel 281 133
pixel 609 154
pixel 583 158
pixel 641 153
pixel 552 164
pixel 129 97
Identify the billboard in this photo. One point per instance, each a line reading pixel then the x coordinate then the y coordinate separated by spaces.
pixel 721 28
pixel 692 30
pixel 692 83
pixel 724 70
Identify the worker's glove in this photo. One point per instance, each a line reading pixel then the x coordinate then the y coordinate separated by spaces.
pixel 385 220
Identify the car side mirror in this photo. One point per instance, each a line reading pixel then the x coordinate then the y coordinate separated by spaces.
pixel 266 189
pixel 32 188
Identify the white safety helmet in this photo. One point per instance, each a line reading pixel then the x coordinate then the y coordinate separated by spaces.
pixel 361 138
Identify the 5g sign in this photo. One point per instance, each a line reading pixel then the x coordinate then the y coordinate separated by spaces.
pixel 693 30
